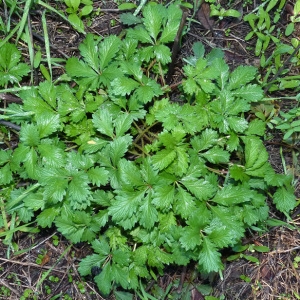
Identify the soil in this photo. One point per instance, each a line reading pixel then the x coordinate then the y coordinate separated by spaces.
pixel 277 274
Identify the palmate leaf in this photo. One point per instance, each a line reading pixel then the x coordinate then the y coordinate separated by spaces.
pixel 90 261
pixel 209 257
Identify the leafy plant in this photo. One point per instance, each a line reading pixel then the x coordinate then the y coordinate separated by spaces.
pixel 12 70
pixel 146 181
pixel 78 9
pixel 294 19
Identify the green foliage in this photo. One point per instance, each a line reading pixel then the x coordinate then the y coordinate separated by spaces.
pixel 146 181
pixel 11 69
pixel 77 9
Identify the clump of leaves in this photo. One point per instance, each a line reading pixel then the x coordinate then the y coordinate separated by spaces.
pixel 148 182
pixel 12 70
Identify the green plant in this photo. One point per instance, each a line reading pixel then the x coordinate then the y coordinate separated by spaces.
pixel 12 70
pixel 240 249
pixel 295 18
pixel 76 12
pixel 221 12
pixel 289 123
pixel 147 181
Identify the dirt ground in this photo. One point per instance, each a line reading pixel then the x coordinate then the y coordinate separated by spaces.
pixel 47 253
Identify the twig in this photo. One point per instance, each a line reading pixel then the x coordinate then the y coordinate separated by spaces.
pixel 11 125
pixel 9 287
pixel 175 47
pixel 284 251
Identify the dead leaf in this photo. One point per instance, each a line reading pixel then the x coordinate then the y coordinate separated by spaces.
pixel 204 18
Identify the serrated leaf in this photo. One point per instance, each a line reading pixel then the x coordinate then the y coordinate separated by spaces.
pixel 241 76
pixel 162 53
pixel 77 68
pixel 98 176
pixel 209 257
pixel 201 188
pixel 47 217
pixel 124 86
pixel 185 203
pixel 237 124
pixel 129 19
pixel 103 121
pixel 11 69
pixel 163 197
pixel 140 34
pixel 153 15
pixel 29 135
pixel 118 147
pixel 163 158
pixel 255 153
pixel 190 237
pixel 5 174
pixel 206 140
pixel 250 92
pixel 216 155
pixel 125 205
pixel 103 280
pixel 47 124
pixel 130 173
pixel 79 191
pixel 147 213
pixel 231 195
pixel 30 163
pixel 238 173
pixel 284 199
pixel 89 50
pixel 108 49
pixel 87 263
pixel 256 127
